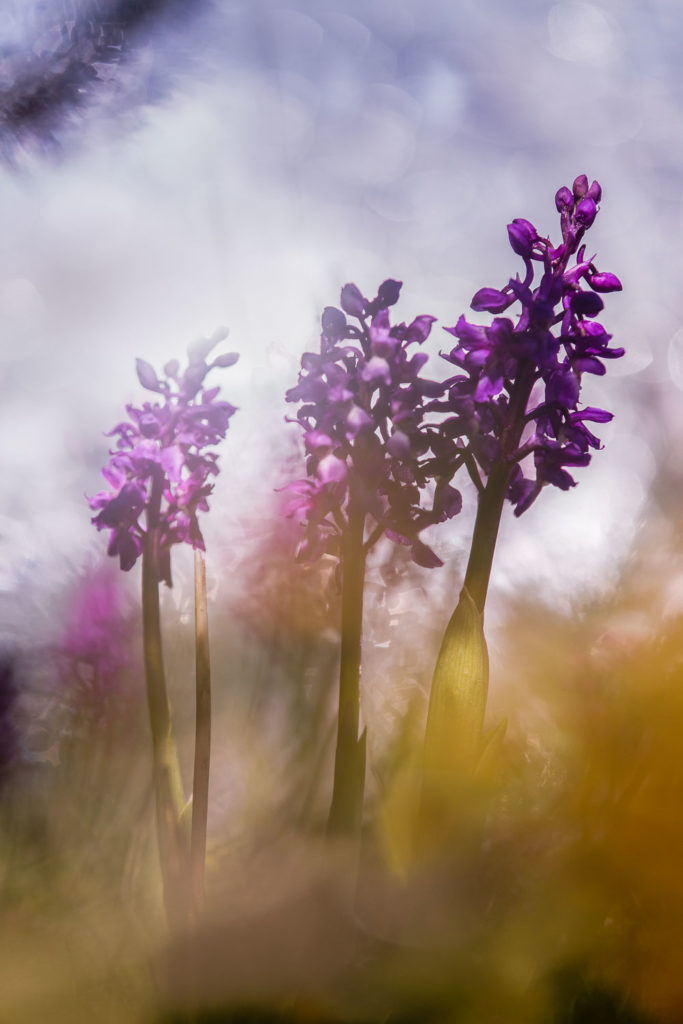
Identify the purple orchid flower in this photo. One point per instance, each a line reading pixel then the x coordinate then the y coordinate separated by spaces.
pixel 519 388
pixel 162 464
pixel 362 413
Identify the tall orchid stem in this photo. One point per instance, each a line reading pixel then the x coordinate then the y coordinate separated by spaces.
pixel 202 745
pixel 457 705
pixel 349 764
pixel 492 498
pixel 168 787
pixel 485 534
pixel 460 683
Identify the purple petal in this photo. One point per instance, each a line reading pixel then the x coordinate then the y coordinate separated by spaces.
pixel 419 329
pixel 585 212
pixel 352 302
pixel 147 375
pixel 522 235
pixel 398 445
pixel 595 191
pixel 333 322
pixel 605 283
pixel 564 200
pixel 588 364
pixel 424 556
pixel 580 186
pixel 332 470
pixel 594 415
pixel 357 420
pixel 376 369
pixel 172 462
pixel 448 501
pixel 586 303
pixel 563 388
pixel 315 439
pixel 227 359
pixel 490 300
pixel 389 292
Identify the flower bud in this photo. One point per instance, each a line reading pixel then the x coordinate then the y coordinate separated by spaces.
pixel 605 283
pixel 580 186
pixel 522 235
pixel 563 199
pixel 595 192
pixel 352 302
pixel 586 212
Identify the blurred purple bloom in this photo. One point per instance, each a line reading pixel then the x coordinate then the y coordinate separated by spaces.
pixel 362 413
pixel 96 639
pixel 162 463
pixel 518 387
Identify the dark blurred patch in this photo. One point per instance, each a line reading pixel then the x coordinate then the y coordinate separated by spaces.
pixel 580 1002
pixel 9 737
pixel 69 54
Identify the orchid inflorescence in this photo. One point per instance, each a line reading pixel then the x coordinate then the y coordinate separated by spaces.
pixel 365 406
pixel 519 393
pixel 162 463
pixel 364 432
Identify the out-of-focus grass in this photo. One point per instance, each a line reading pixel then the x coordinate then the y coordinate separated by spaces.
pixel 556 898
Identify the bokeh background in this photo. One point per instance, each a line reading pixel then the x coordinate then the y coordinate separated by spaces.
pixel 168 168
pixel 241 161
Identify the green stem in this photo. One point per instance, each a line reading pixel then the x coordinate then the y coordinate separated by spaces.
pixel 168 788
pixel 349 765
pixel 492 498
pixel 460 683
pixel 202 747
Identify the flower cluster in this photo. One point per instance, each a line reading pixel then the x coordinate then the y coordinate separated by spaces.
pixel 519 393
pixel 368 447
pixel 162 464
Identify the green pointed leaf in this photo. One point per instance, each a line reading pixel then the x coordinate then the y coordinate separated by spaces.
pixel 458 696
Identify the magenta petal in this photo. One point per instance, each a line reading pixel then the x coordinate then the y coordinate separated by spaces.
pixel 522 235
pixel 357 420
pixel 376 369
pixel 424 556
pixel 398 445
pixel 605 283
pixel 147 375
pixel 352 302
pixel 332 470
pixel 172 462
pixel 419 329
pixel 490 300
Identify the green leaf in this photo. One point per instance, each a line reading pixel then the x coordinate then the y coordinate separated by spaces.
pixel 458 697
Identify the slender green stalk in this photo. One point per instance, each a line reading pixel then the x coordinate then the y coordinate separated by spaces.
pixel 459 690
pixel 349 765
pixel 492 498
pixel 202 746
pixel 168 787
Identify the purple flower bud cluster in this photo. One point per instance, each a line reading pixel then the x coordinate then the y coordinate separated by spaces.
pixel 162 463
pixel 368 447
pixel 518 392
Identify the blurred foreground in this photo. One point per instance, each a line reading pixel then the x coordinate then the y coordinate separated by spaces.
pixel 557 895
